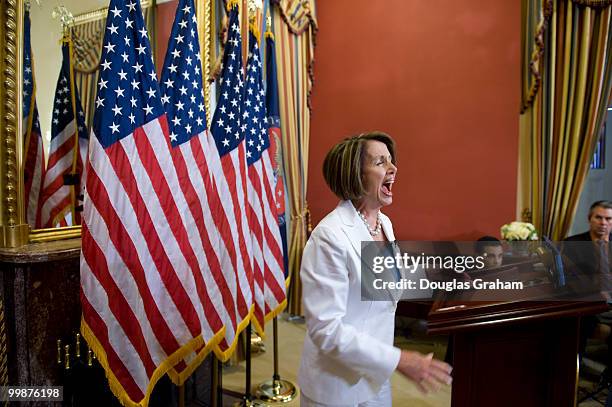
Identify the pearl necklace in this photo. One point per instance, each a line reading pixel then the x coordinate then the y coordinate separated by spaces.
pixel 373 231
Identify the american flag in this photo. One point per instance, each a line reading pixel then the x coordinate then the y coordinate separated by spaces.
pixel 143 292
pixel 275 135
pixel 269 294
pixel 62 186
pixel 182 97
pixel 34 155
pixel 228 167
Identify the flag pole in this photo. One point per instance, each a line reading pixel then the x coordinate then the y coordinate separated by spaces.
pixel 247 390
pixel 248 400
pixel 276 390
pixel 219 389
pixel 181 395
pixel 214 386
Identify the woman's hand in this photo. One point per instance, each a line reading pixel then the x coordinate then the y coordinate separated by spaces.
pixel 427 372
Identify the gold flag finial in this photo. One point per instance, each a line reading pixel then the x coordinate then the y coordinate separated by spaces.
pixel 66 18
pixel 28 4
pixel 253 6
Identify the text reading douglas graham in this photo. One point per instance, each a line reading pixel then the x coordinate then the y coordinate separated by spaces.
pixel 452 285
pixel 458 264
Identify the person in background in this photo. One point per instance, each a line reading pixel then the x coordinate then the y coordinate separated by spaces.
pixel 595 260
pixel 491 249
pixel 596 257
pixel 348 355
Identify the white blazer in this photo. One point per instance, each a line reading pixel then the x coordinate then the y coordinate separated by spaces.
pixel 348 349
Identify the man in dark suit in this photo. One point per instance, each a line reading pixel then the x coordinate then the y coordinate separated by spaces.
pixel 593 260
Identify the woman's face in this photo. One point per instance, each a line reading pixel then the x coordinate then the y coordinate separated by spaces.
pixel 378 175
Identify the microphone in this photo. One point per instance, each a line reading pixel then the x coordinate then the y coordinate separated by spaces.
pixel 558 273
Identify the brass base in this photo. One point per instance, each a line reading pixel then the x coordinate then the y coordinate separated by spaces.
pixel 257 343
pixel 276 391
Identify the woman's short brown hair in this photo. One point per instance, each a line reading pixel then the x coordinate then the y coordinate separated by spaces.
pixel 342 168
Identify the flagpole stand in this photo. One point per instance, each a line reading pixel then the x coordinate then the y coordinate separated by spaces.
pixel 181 395
pixel 215 388
pixel 250 403
pixel 276 390
pixel 247 399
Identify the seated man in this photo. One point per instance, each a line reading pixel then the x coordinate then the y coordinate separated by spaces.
pixel 596 258
pixel 594 261
pixel 492 250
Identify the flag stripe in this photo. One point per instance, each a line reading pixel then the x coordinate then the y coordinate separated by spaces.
pixel 100 329
pixel 127 321
pixel 120 283
pixel 60 160
pixel 274 255
pixel 130 218
pixel 57 148
pixel 234 169
pixel 127 242
pixel 254 187
pixel 194 155
pixel 272 235
pixel 35 164
pixel 161 171
pixel 54 206
pixel 153 212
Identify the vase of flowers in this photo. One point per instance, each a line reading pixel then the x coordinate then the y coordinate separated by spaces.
pixel 519 235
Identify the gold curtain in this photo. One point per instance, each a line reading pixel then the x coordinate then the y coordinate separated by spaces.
pixel 87 36
pixel 87 40
pixel 295 28
pixel 569 68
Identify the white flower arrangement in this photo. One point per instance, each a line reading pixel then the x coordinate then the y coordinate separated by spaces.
pixel 519 231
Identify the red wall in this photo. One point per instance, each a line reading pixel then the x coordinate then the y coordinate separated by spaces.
pixel 443 78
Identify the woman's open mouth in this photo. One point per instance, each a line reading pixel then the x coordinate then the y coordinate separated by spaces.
pixel 387 186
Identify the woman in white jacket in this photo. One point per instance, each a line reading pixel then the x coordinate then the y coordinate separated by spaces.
pixel 348 354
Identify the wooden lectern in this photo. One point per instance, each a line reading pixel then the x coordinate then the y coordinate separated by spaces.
pixel 513 354
pixel 510 353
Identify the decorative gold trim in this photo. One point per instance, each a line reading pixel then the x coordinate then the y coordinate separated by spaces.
pixel 207 57
pixel 536 56
pixel 593 3
pixel 101 13
pixel 47 235
pixel 13 230
pixel 3 350
pixel 13 82
pixel 203 16
pixel 287 16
